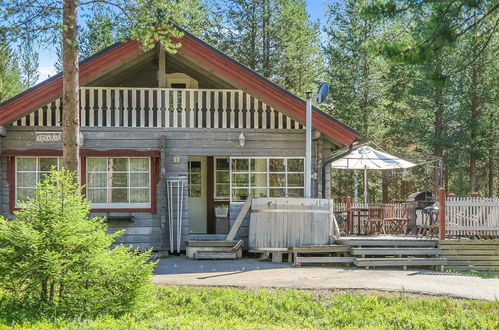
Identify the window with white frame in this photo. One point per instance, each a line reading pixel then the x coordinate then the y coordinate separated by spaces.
pixel 266 177
pixel 222 178
pixel 29 171
pixel 119 182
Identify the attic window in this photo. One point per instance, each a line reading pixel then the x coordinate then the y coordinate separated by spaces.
pixel 179 85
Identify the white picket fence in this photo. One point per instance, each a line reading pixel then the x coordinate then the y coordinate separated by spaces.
pixel 472 216
pixel 165 107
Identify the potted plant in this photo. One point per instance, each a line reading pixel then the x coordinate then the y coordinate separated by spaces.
pixel 221 211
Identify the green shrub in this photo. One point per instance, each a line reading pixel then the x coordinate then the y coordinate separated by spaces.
pixel 54 259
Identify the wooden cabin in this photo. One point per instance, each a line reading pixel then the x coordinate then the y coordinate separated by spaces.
pixel 149 116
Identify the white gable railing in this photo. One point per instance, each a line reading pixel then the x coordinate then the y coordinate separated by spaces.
pixel 165 107
pixel 472 216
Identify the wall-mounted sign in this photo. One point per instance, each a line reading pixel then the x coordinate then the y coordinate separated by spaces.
pixel 48 137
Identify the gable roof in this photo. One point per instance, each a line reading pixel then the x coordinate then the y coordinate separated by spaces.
pixel 194 48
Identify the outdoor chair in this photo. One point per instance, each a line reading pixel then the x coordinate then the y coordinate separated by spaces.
pixel 393 223
pixel 374 222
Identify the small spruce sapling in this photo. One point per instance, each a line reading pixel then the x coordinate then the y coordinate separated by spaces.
pixel 53 255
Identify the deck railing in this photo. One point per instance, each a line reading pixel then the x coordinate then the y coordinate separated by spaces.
pixel 357 225
pixel 165 107
pixel 472 216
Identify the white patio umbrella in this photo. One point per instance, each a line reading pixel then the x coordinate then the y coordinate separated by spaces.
pixel 366 158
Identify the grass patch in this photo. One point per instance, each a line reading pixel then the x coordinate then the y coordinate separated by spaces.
pixel 472 272
pixel 182 307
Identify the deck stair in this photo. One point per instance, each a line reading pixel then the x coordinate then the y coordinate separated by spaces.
pixel 321 254
pixel 394 252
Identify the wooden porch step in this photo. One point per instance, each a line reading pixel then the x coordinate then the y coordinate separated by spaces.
pixel 323 260
pixel 388 242
pixel 395 251
pixel 319 248
pixel 380 262
pixel 216 255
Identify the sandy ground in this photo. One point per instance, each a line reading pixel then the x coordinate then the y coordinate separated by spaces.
pixel 251 273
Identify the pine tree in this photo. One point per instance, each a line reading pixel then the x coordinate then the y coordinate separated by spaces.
pixel 10 81
pixel 276 38
pixel 29 63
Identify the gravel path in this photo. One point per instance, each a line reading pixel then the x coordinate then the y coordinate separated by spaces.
pixel 250 273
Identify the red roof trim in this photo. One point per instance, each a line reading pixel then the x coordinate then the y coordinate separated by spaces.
pixel 52 88
pixel 264 90
pixel 193 47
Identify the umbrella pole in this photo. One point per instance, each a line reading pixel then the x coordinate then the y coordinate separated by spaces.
pixel 365 185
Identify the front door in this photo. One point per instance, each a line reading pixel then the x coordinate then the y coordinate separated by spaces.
pixel 197 195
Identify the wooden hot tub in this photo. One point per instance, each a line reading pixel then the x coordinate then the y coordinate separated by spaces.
pixel 285 222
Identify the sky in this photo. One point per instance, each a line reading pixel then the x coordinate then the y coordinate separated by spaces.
pixel 48 54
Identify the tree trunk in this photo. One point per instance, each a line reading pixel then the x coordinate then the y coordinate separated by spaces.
pixel 474 123
pixel 385 185
pixel 70 87
pixel 491 174
pixel 439 129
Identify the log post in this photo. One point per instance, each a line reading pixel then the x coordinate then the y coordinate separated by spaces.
pixel 441 213
pixel 349 215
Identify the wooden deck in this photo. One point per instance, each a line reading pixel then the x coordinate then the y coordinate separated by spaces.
pixel 466 254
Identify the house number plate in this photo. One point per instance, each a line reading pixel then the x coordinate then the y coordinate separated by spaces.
pixel 48 136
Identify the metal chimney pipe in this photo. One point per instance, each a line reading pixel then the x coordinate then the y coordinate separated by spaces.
pixel 308 147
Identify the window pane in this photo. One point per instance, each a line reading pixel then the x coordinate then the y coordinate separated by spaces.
pixel 27 180
pixel 96 195
pixel 295 165
pixel 222 190
pixel 277 193
pixel 276 165
pixel 24 193
pixel 195 166
pixel 97 164
pixel 119 196
pixel 195 191
pixel 97 179
pixel 222 164
pixel 195 178
pixel 47 163
pixel 118 164
pixel 239 194
pixel 139 164
pixel 139 195
pixel 222 177
pixel 296 193
pixel 139 180
pixel 240 180
pixel 119 179
pixel 277 180
pixel 259 165
pixel 259 192
pixel 26 164
pixel 259 180
pixel 295 180
pixel 240 165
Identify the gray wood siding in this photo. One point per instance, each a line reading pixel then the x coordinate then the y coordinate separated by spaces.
pixel 147 230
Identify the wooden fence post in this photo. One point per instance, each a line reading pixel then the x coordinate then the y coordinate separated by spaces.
pixel 349 215
pixel 441 213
